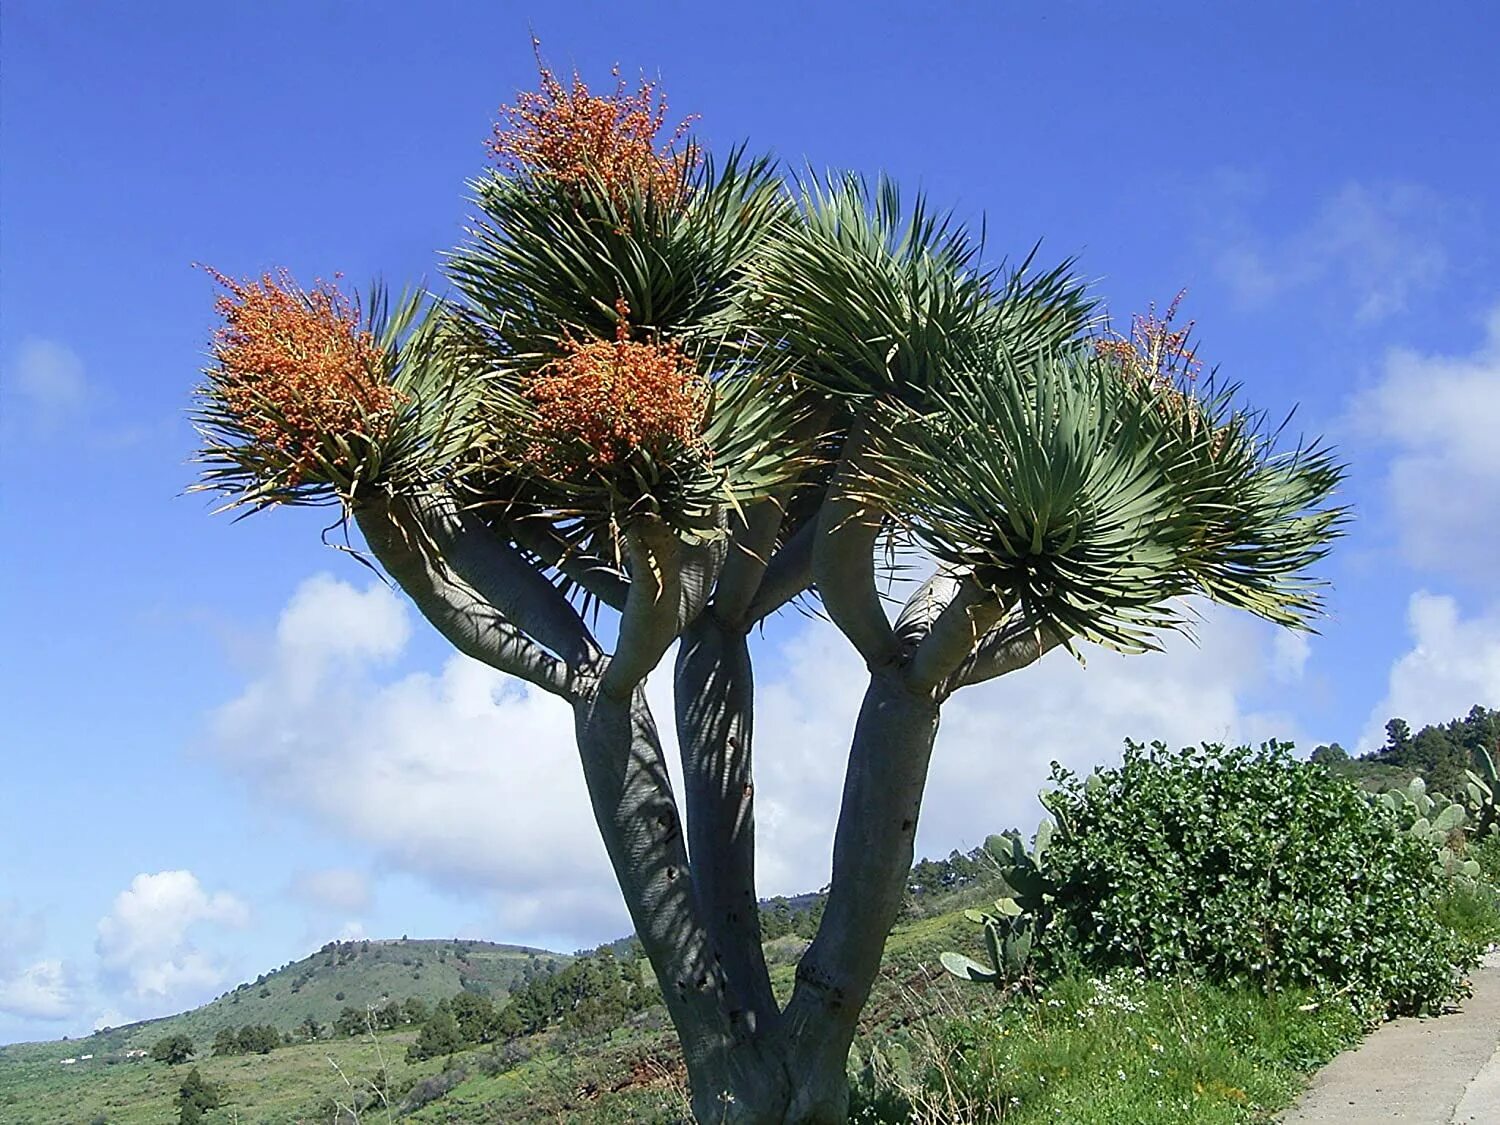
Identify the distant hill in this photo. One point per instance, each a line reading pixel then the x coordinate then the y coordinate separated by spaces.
pixel 108 1076
pixel 341 974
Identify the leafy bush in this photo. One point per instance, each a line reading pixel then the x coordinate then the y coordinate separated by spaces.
pixel 1249 867
pixel 429 1090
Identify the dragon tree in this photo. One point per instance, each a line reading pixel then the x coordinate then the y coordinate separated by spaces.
pixel 666 396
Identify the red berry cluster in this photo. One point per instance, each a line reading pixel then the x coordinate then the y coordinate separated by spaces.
pixel 294 368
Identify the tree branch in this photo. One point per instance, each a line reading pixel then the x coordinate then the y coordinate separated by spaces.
pixel 467 619
pixel 972 611
pixel 591 572
pixel 843 559
pixel 872 855
pixel 787 574
pixel 1013 644
pixel 638 819
pixel 477 554
pixel 924 606
pixel 752 538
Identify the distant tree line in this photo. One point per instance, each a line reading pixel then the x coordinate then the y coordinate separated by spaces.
pixel 384 1017
pixel 780 917
pixel 251 1039
pixel 591 991
pixel 1438 753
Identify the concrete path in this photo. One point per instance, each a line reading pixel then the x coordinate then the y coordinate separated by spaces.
pixel 1443 1071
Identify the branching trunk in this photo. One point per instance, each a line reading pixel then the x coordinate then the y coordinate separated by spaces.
pixel 715 695
pixel 736 1075
pixel 692 895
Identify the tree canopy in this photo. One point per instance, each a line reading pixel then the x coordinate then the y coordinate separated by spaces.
pixel 683 391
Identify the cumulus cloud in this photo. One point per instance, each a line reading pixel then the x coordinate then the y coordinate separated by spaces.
pixel 1380 244
pixel 44 990
pixel 1439 417
pixel 465 776
pixel 144 943
pixel 31 987
pixel 333 890
pixel 48 380
pixel 1454 663
pixel 471 779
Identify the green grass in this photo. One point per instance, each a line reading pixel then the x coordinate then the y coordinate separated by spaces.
pixel 1107 1052
pixel 931 1048
pixel 288 1085
pixel 1471 908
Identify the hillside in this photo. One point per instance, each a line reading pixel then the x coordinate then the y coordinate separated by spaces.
pixel 634 1066
pixel 341 974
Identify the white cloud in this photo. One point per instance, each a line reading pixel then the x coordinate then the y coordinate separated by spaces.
pixel 20 933
pixel 1380 245
pixel 48 379
pixel 44 990
pixel 1440 418
pixel 1454 663
pixel 1289 653
pixel 467 777
pixel 333 890
pixel 110 1017
pixel 30 986
pixel 143 942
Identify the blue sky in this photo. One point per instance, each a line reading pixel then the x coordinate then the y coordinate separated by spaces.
pixel 223 745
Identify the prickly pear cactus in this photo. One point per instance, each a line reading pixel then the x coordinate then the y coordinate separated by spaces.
pixel 1432 819
pixel 1479 796
pixel 1012 924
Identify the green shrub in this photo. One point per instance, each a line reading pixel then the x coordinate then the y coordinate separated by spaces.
pixel 1248 867
pixel 1486 853
pixel 172 1049
pixel 195 1098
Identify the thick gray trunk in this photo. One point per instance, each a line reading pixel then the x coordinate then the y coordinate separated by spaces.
pixel 872 854
pixel 715 694
pixel 736 1076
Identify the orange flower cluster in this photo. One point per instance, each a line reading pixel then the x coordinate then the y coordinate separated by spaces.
pixel 1155 353
pixel 1154 357
pixel 604 400
pixel 567 134
pixel 295 367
